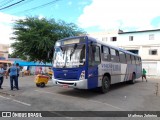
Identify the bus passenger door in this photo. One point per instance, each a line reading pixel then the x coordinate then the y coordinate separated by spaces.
pixel 94 60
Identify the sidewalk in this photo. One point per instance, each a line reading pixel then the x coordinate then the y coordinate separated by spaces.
pixel 151 79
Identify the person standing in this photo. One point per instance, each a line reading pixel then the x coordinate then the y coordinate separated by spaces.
pixel 1 75
pixel 12 71
pixel 144 74
pixel 18 70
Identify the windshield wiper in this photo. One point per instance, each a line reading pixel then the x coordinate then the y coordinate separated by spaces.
pixel 74 48
pixel 63 51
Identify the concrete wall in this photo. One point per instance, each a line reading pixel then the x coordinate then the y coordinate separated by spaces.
pixel 4 50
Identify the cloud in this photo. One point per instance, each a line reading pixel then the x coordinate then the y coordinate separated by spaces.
pixel 123 14
pixel 69 3
pixel 41 16
pixel 6 21
pixel 56 6
pixel 83 2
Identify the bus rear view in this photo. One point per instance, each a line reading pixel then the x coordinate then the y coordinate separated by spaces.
pixel 69 63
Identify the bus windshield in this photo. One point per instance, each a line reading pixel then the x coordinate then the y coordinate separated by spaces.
pixel 69 56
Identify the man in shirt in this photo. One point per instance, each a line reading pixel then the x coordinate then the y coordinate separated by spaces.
pixel 144 74
pixel 18 70
pixel 12 71
pixel 1 75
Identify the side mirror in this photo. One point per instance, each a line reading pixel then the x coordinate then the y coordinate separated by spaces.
pixel 50 53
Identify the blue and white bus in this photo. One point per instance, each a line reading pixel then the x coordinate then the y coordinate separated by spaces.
pixel 83 62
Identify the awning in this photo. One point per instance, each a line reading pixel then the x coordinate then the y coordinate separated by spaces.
pixel 26 63
pixel 6 61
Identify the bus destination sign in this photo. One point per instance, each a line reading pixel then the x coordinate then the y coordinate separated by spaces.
pixel 72 41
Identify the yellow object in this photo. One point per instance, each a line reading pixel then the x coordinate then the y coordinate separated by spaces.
pixel 50 73
pixel 41 80
pixel 26 72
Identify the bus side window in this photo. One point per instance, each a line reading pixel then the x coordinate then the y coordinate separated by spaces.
pixel 117 56
pixel 94 55
pixel 122 57
pixel 128 58
pixel 114 55
pixel 133 59
pixel 140 60
pixel 82 54
pixel 105 53
pixel 137 60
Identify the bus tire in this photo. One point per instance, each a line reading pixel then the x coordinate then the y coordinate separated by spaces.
pixel 133 79
pixel 105 84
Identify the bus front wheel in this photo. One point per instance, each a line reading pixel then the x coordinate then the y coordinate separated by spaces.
pixel 105 84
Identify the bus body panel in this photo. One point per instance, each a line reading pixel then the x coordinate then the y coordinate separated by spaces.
pixel 129 72
pixel 80 84
pixel 139 71
pixel 92 77
pixel 123 72
pixel 115 75
pixel 67 73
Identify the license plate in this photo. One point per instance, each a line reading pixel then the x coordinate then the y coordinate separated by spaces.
pixel 65 86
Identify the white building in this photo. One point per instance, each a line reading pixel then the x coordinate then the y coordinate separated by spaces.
pixel 4 51
pixel 144 43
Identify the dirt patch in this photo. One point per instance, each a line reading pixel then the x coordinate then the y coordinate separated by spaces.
pixel 6 94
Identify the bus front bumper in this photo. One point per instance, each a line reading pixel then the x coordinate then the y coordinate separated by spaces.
pixel 80 84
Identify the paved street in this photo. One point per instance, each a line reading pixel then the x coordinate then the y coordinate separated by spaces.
pixel 142 96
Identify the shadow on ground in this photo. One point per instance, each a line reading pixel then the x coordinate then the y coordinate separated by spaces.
pixel 93 92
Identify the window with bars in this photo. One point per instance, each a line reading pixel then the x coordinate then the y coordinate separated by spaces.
pixel 153 52
pixel 130 38
pixel 113 39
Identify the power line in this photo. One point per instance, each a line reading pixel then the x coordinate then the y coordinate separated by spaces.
pixel 5 2
pixel 12 5
pixel 24 3
pixel 43 5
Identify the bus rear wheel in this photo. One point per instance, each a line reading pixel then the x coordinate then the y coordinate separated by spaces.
pixel 105 84
pixel 133 79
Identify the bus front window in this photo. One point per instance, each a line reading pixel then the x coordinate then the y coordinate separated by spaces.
pixel 69 56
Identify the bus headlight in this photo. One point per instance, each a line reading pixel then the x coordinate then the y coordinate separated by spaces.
pixel 82 76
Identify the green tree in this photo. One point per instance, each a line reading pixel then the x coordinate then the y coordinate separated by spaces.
pixel 14 55
pixel 34 37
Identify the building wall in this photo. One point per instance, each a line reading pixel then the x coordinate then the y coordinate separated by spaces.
pixel 140 38
pixel 144 42
pixel 4 50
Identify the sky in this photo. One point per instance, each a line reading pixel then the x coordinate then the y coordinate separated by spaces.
pixel 90 15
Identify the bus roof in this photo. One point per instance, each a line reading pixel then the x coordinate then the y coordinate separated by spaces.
pixel 72 37
pixel 117 48
pixel 101 42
